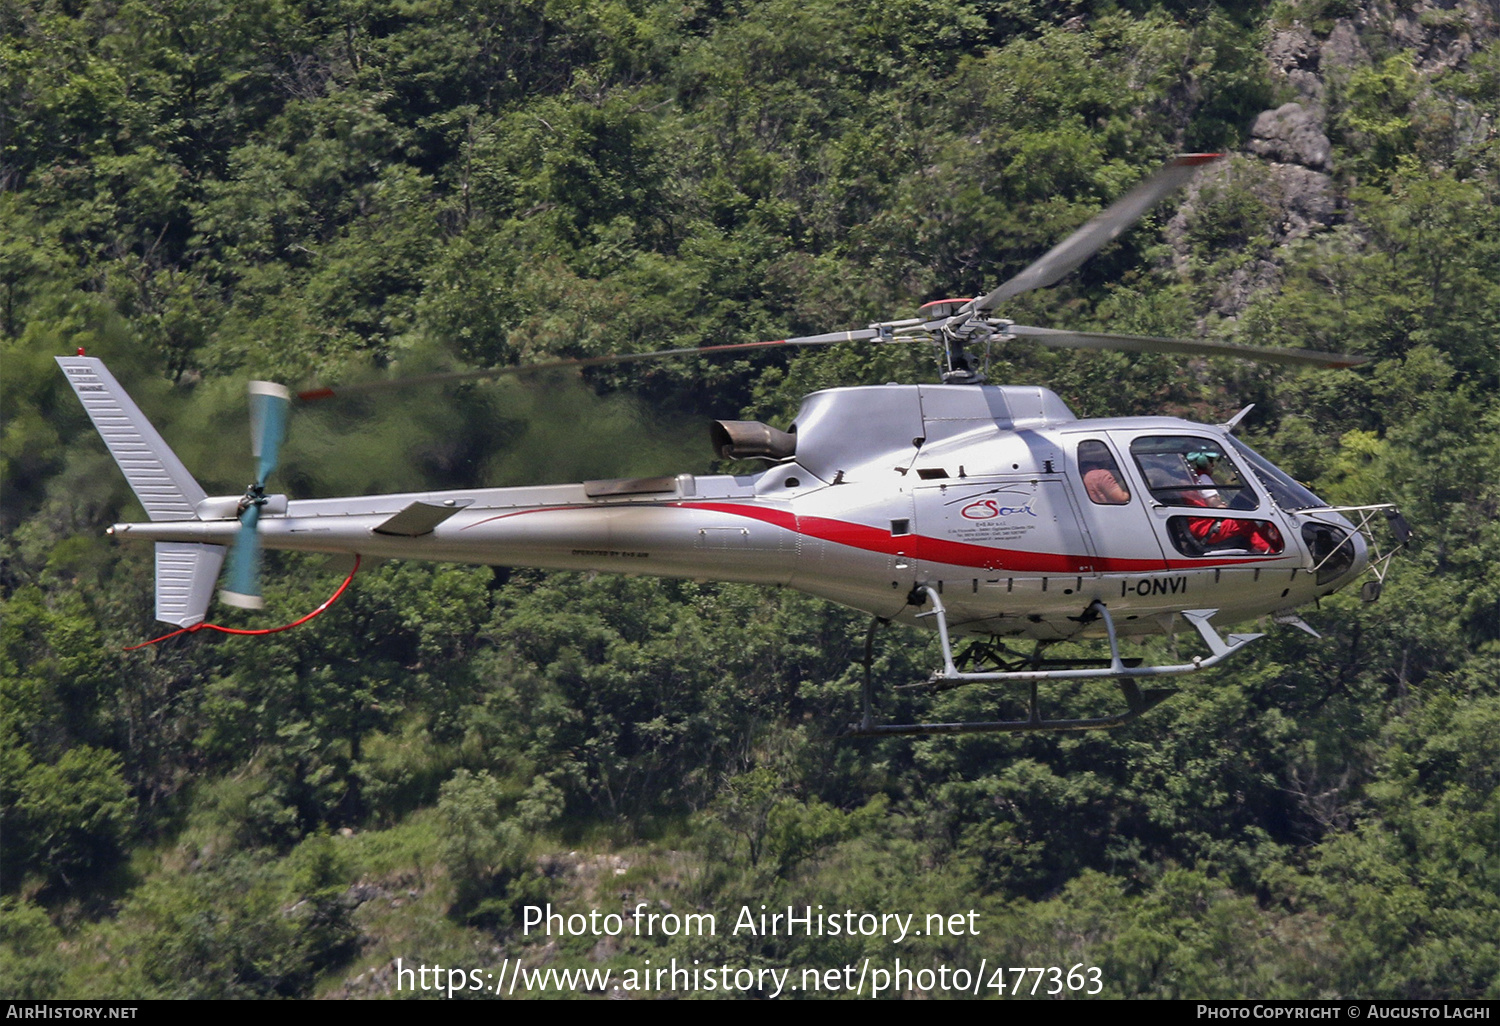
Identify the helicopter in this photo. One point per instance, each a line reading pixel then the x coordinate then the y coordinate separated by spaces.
pixel 988 513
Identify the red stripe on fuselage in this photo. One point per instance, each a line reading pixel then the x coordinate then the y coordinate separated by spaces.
pixel 940 550
pixel 916 546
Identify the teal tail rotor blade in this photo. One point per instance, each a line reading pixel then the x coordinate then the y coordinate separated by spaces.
pixel 269 403
pixel 243 586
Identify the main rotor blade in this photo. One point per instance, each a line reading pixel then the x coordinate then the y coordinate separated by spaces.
pixel 829 338
pixel 1099 232
pixel 1200 347
pixel 269 404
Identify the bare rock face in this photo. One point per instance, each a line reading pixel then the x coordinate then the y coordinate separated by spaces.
pixel 1343 48
pixel 1292 134
pixel 1250 209
pixel 1294 54
pixel 1271 203
pixel 1442 36
pixel 1304 199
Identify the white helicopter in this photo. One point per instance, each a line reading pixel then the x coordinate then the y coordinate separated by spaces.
pixel 984 512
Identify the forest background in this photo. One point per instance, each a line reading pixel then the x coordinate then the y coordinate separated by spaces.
pixel 203 191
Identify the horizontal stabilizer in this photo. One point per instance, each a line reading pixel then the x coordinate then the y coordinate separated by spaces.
pixel 185 576
pixel 418 519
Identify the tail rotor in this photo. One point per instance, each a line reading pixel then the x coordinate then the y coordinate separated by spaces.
pixel 269 405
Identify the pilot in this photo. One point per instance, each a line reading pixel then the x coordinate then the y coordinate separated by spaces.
pixel 1258 536
pixel 1202 463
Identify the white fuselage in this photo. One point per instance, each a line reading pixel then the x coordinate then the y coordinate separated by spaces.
pixel 975 491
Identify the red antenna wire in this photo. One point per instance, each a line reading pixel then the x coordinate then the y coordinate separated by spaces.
pixel 264 630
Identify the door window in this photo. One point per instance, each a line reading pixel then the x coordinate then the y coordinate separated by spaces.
pixel 1184 470
pixel 1101 475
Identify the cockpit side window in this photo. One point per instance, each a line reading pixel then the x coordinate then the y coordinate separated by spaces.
pixel 1101 474
pixel 1186 470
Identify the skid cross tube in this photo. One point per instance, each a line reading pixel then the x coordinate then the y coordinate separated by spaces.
pixel 1136 700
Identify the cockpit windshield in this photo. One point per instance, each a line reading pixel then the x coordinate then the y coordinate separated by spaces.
pixel 1285 492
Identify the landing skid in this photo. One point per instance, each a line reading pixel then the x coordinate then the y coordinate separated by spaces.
pixel 1124 672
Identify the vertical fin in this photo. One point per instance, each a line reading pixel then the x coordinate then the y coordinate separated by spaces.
pixel 185 576
pixel 160 481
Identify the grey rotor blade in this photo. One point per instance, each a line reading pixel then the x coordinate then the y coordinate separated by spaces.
pixel 1102 230
pixel 828 338
pixel 1188 347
